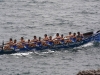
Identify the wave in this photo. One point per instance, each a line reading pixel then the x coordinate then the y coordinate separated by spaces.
pixel 22 54
pixel 88 44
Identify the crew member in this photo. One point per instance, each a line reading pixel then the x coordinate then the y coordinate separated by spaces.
pixel 15 44
pixel 68 38
pixel 57 37
pixel 45 38
pixel 34 40
pixel 62 39
pixel 39 42
pixel 22 41
pixel 73 37
pixel 50 40
pixel 9 44
pixel 79 36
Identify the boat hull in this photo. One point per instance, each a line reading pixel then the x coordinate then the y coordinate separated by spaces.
pixel 52 47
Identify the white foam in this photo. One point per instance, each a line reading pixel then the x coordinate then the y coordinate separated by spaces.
pixel 49 51
pixel 88 44
pixel 22 54
pixel 36 52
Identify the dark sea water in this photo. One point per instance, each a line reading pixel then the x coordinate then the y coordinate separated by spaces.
pixel 36 17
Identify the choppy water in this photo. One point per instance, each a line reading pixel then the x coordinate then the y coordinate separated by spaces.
pixel 37 17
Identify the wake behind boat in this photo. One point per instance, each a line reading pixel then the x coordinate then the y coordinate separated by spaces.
pixel 54 45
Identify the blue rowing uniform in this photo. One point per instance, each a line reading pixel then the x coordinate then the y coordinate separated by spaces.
pixel 73 39
pixel 50 43
pixel 39 44
pixel 14 46
pixel 79 36
pixel 62 41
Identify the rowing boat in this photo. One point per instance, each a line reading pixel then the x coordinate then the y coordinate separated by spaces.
pixel 93 37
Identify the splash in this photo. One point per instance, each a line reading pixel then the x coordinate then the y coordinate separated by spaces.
pixel 88 44
pixel 48 52
pixel 22 54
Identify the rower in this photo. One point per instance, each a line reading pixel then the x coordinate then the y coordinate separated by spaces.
pixel 45 38
pixel 22 41
pixel 50 41
pixel 34 40
pixel 62 39
pixel 57 37
pixel 9 44
pixel 15 44
pixel 39 42
pixel 68 38
pixel 73 37
pixel 28 43
pixel 79 36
